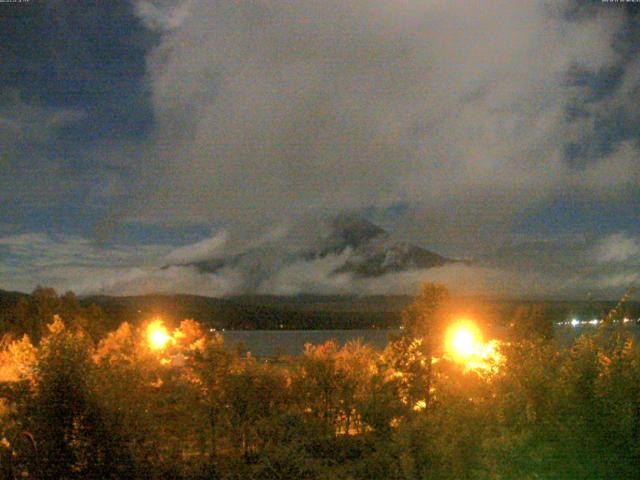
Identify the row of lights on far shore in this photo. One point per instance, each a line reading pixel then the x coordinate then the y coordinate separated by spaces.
pixel 575 322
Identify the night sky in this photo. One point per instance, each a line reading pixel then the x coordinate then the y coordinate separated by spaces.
pixel 137 134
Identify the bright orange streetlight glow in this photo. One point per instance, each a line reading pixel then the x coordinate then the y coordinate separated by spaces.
pixel 463 341
pixel 157 335
pixel 464 344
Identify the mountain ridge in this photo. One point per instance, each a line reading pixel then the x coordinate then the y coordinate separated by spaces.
pixel 360 248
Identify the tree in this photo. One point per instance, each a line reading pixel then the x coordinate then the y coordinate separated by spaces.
pixel 30 315
pixel 73 438
pixel 412 354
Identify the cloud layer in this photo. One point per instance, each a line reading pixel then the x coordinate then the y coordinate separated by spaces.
pixel 472 114
pixel 455 123
pixel 597 268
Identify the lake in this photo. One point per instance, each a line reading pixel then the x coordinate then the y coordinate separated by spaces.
pixel 266 343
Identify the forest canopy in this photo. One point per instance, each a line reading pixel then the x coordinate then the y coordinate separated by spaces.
pixel 443 400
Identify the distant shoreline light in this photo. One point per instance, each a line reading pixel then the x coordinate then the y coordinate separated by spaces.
pixel 575 322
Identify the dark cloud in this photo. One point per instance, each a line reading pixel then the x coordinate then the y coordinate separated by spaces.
pixel 72 94
pixel 73 53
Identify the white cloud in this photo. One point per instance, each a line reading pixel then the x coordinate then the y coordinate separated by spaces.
pixel 74 263
pixel 620 281
pixel 267 110
pixel 145 280
pixel 465 279
pixel 310 276
pixel 62 261
pixel 202 250
pixel 618 248
pixel 162 14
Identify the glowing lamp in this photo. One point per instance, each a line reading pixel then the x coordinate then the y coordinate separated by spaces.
pixel 463 340
pixel 157 335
